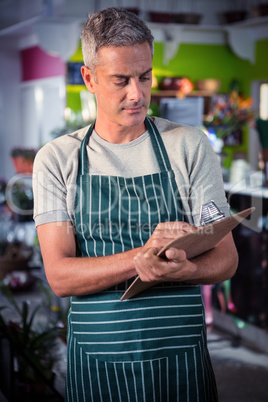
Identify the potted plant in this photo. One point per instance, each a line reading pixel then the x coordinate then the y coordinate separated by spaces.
pixel 23 159
pixel 19 195
pixel 33 348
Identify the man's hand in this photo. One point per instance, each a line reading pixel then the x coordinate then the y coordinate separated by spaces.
pixel 214 266
pixel 152 268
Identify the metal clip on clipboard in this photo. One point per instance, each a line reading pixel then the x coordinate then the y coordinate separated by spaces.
pixel 210 213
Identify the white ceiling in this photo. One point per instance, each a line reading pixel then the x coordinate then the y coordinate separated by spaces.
pixel 16 11
pixel 56 24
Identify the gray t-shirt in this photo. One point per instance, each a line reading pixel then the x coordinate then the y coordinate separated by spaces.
pixel 193 160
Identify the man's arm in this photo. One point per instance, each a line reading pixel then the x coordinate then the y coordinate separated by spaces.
pixel 69 275
pixel 214 266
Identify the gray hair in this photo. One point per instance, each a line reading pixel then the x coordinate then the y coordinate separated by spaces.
pixel 112 27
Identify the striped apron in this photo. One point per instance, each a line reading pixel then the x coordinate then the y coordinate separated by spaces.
pixel 152 347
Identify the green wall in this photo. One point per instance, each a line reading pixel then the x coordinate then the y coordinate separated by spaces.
pixel 214 61
pixel 200 62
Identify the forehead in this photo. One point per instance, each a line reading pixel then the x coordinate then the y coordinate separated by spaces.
pixel 125 59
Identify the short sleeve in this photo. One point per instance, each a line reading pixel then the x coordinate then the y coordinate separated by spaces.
pixel 206 180
pixel 49 187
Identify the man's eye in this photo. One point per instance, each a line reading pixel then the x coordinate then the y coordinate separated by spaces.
pixel 121 83
pixel 143 79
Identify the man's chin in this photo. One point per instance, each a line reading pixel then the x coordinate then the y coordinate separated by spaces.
pixel 134 119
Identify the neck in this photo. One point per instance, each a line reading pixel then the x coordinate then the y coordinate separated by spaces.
pixel 117 134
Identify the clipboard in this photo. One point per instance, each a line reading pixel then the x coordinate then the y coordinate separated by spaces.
pixel 194 244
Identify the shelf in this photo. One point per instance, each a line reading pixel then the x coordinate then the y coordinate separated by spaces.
pixel 165 94
pixel 244 188
pixel 248 23
pixel 175 93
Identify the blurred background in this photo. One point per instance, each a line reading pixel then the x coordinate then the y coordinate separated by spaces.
pixel 220 47
pixel 210 70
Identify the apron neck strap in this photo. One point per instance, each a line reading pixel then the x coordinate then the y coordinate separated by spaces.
pixel 157 142
pixel 158 146
pixel 83 162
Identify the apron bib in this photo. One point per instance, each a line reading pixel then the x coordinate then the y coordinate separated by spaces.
pixel 153 346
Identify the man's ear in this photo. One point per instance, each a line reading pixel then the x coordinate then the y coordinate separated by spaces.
pixel 88 79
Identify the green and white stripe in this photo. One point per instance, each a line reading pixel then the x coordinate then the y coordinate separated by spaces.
pixel 153 346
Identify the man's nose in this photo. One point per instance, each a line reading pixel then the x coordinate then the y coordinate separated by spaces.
pixel 135 93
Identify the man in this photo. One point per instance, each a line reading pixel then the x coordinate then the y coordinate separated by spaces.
pixel 107 198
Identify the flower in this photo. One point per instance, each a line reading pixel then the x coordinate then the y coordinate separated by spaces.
pixel 229 113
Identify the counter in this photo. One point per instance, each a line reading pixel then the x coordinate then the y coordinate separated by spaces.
pixel 246 188
pixel 249 286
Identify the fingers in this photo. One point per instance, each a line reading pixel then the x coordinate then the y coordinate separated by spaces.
pixel 151 268
pixel 167 231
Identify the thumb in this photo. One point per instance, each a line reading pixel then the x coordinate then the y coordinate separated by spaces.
pixel 175 254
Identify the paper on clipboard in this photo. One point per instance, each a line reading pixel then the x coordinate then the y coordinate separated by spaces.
pixel 194 244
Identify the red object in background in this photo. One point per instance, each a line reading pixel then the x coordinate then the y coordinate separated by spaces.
pixel 22 165
pixel 181 84
pixel 171 83
pixel 37 64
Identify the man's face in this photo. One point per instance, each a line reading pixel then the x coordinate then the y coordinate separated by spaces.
pixel 123 84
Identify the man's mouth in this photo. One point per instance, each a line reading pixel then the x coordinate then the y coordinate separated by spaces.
pixel 133 109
